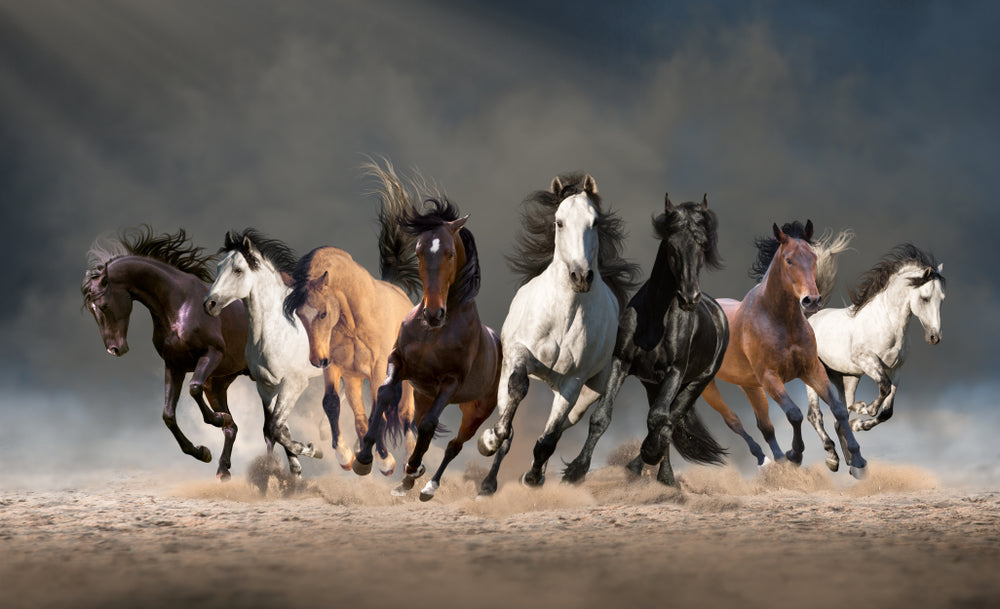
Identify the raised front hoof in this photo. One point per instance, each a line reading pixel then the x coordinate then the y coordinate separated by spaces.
pixel 858 407
pixel 202 454
pixel 488 443
pixel 793 457
pixel 361 469
pixel 533 480
pixel 859 472
pixel 314 452
pixel 387 466
pixel 833 463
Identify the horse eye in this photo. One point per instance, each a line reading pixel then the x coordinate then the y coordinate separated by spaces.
pixel 237 270
pixel 322 315
pixel 559 223
pixel 788 261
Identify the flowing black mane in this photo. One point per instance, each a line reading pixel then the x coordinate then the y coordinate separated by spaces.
pixel 280 255
pixel 767 247
pixel 438 212
pixel 535 245
pixel 300 284
pixel 877 277
pixel 699 220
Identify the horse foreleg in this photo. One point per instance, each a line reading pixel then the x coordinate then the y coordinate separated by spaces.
pixel 714 398
pixel 562 403
pixel 288 394
pixel 388 395
pixel 174 380
pixel 820 382
pixel 217 397
pixel 513 387
pixel 815 417
pixel 884 412
pixel 600 419
pixel 428 413
pixel 873 367
pixel 355 400
pixel 473 415
pixel 204 368
pixel 776 389
pixel 659 423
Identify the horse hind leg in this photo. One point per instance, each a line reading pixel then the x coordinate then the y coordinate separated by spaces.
pixel 562 403
pixel 473 415
pixel 815 417
pixel 712 395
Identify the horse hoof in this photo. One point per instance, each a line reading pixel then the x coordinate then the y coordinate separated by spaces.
pixel 203 454
pixel 794 458
pixel 399 491
pixel 317 453
pixel 224 476
pixel 488 443
pixel 428 492
pixel 528 480
pixel 859 472
pixel 833 464
pixel 361 469
pixel 387 466
pixel 762 464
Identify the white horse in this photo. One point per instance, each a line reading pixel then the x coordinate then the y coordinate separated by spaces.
pixel 256 269
pixel 869 337
pixel 563 321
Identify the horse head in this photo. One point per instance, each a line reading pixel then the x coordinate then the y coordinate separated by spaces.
pixel 688 241
pixel 925 301
pixel 111 306
pixel 441 255
pixel 234 277
pixel 797 263
pixel 576 237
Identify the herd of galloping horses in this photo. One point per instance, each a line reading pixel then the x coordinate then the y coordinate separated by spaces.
pixel 283 319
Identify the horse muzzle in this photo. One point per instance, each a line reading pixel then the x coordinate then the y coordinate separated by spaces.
pixel 118 350
pixel 212 307
pixel 810 305
pixel 932 338
pixel 581 281
pixel 688 302
pixel 435 318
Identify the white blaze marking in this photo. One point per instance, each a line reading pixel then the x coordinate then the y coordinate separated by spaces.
pixel 309 312
pixel 435 245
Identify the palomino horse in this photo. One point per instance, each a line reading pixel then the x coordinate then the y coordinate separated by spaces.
pixel 673 338
pixel 442 349
pixel 563 320
pixel 166 274
pixel 351 318
pixel 772 343
pixel 869 337
pixel 255 269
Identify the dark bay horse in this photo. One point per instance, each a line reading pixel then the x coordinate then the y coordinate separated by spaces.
pixel 672 337
pixel 442 349
pixel 167 274
pixel 771 343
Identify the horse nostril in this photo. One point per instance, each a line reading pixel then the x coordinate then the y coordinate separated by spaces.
pixel 574 277
pixel 323 363
pixel 590 276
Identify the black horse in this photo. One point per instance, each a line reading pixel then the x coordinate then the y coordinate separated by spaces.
pixel 673 338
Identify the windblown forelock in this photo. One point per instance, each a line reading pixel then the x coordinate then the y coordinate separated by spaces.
pixel 277 252
pixel 300 285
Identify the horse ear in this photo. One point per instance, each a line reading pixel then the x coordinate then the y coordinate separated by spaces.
pixel 780 236
pixel 287 279
pixel 809 230
pixel 704 201
pixel 590 184
pixel 667 205
pixel 556 186
pixel 455 225
pixel 320 282
pixel 928 272
pixel 941 268
pixel 103 277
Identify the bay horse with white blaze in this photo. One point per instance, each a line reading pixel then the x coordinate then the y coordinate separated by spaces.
pixel 771 343
pixel 442 348
pixel 672 337
pixel 167 274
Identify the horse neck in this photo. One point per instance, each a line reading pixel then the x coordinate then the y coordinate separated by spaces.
pixel 265 300
pixel 663 282
pixel 892 304
pixel 155 284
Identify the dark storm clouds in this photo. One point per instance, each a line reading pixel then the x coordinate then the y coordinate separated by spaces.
pixel 876 116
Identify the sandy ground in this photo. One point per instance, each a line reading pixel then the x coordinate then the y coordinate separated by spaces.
pixel 788 537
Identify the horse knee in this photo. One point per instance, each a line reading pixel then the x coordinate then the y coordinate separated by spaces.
pixel 517 384
pixel 196 389
pixel 794 415
pixel 427 428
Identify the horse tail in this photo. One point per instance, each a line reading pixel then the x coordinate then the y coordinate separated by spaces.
pixel 694 442
pixel 397 256
pixel 827 248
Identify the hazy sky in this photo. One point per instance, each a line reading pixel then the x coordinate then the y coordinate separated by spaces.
pixel 881 117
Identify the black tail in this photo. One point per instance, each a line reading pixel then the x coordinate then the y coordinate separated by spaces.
pixel 693 441
pixel 397 256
